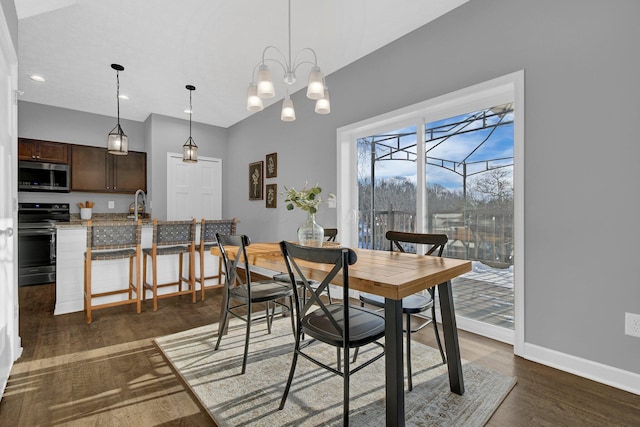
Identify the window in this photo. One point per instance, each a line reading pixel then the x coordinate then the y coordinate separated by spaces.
pixel 444 166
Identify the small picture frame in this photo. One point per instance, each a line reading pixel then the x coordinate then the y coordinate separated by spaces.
pixel 256 180
pixel 271 196
pixel 272 165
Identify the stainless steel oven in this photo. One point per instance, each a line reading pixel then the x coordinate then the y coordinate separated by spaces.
pixel 37 241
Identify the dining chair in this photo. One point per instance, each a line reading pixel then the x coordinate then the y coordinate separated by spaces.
pixel 343 326
pixel 241 292
pixel 208 230
pixel 106 241
pixel 171 238
pixel 330 236
pixel 415 304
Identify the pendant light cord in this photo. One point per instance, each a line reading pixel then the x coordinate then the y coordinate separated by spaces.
pixel 190 112
pixel 118 93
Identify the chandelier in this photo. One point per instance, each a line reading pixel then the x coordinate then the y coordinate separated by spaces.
pixel 262 87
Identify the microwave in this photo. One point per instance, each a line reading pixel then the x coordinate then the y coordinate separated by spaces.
pixel 40 176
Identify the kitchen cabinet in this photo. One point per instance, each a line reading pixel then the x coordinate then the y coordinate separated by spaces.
pixel 35 150
pixel 93 169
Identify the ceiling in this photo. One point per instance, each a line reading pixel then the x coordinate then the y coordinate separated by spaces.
pixel 211 44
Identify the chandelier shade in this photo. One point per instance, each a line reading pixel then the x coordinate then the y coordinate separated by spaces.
pixel 323 106
pixel 254 102
pixel 288 113
pixel 117 141
pixel 263 83
pixel 190 149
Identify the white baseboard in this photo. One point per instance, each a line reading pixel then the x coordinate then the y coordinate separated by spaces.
pixel 614 377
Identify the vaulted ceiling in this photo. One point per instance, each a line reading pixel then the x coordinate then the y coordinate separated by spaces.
pixel 211 44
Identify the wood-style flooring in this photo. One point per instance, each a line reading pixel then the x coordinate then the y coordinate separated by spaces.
pixel 111 373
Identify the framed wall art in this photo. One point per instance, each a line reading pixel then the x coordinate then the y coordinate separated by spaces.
pixel 256 180
pixel 272 165
pixel 271 195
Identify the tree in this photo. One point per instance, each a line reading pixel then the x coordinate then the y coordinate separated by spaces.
pixel 495 185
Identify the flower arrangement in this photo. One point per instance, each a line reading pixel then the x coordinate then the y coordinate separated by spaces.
pixel 305 199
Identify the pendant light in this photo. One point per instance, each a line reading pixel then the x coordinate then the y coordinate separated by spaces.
pixel 117 142
pixel 190 149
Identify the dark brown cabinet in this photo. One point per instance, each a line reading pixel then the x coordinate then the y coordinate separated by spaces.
pixel 93 169
pixel 42 151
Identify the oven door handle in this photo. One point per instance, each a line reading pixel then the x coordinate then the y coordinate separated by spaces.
pixel 36 231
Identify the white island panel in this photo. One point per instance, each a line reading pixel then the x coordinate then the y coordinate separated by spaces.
pixel 112 274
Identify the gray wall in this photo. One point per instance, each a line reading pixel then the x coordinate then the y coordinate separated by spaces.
pixel 168 135
pixel 11 19
pixel 582 150
pixel 76 127
pixel 156 136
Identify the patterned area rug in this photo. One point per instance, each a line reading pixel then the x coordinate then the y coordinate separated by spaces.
pixel 316 395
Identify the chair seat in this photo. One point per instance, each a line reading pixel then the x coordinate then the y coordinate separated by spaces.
pixel 284 277
pixel 167 250
pixel 261 291
pixel 207 246
pixel 416 303
pixel 365 326
pixel 107 255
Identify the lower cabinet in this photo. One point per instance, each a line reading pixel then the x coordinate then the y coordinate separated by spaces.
pixel 93 169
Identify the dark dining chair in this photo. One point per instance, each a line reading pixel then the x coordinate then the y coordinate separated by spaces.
pixel 330 236
pixel 241 292
pixel 341 325
pixel 417 303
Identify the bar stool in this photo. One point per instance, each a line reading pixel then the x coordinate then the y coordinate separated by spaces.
pixel 171 238
pixel 208 230
pixel 111 240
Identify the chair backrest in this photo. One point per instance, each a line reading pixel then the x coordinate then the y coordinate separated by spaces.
pixel 169 233
pixel 341 258
pixel 110 234
pixel 238 244
pixel 436 241
pixel 209 228
pixel 330 234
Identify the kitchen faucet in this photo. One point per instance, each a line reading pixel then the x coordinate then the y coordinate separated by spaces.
pixel 135 203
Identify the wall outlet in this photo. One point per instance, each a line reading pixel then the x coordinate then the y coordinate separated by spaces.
pixel 111 204
pixel 632 324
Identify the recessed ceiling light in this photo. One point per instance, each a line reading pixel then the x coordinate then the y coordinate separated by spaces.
pixel 187 111
pixel 37 78
pixel 123 97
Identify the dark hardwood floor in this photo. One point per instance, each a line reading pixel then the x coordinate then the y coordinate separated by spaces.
pixel 111 373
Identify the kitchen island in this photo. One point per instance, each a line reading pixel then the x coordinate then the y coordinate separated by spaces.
pixel 71 244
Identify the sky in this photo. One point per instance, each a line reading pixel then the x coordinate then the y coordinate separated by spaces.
pixel 454 149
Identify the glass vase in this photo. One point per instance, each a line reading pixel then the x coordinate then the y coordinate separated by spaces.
pixel 311 233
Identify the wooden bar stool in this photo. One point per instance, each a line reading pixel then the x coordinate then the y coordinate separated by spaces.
pixel 208 230
pixel 111 240
pixel 171 238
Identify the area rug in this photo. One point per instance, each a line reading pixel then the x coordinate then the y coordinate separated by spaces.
pixel 315 398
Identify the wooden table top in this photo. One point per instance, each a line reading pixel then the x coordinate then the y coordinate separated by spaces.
pixel 389 274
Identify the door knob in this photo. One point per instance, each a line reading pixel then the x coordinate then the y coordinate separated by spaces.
pixel 7 232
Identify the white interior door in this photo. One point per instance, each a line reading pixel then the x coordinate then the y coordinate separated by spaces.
pixel 194 189
pixel 10 347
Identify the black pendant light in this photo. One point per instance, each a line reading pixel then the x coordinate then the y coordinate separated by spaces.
pixel 118 143
pixel 190 149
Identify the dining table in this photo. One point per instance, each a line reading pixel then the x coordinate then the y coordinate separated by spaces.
pixel 392 275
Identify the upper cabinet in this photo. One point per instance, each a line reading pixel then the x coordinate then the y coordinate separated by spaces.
pixel 93 169
pixel 42 151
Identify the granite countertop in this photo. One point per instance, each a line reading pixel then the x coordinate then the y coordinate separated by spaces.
pixel 75 221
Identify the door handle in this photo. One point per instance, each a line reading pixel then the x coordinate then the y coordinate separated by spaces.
pixel 7 232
